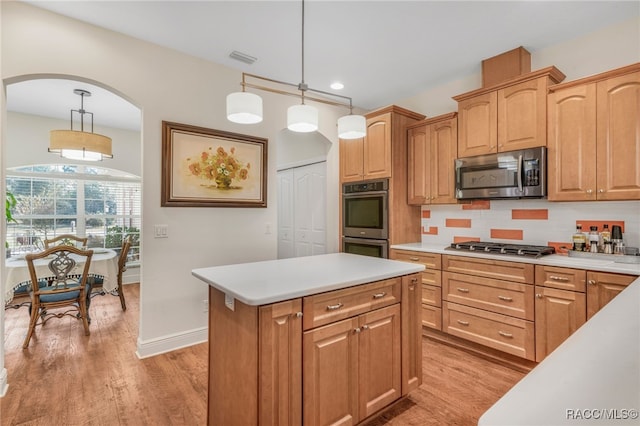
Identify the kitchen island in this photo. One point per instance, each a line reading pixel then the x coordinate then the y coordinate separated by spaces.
pixel 314 340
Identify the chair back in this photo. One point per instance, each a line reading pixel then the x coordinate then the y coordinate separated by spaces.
pixel 62 265
pixel 67 240
pixel 122 260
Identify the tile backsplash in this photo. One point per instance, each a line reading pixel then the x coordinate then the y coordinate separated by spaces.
pixel 537 222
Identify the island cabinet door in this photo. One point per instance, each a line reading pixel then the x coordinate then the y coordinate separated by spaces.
pixel 379 359
pixel 280 365
pixel 330 369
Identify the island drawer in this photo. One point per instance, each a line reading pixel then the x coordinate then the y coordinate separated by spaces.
pixel 325 308
pixel 503 297
pixel 561 278
pixel 429 260
pixel 499 269
pixel 501 332
pixel 431 317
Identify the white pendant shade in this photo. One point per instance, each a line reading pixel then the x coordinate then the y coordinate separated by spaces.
pixel 302 118
pixel 77 145
pixel 352 127
pixel 244 108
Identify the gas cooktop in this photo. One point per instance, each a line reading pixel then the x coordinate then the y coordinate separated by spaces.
pixel 503 248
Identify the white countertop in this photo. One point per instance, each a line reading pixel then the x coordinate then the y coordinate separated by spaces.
pixel 593 378
pixel 602 265
pixel 271 281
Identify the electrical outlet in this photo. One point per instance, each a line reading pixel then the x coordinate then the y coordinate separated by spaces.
pixel 205 307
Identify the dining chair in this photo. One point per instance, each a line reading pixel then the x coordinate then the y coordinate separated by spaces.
pixel 66 239
pixel 66 290
pixel 98 281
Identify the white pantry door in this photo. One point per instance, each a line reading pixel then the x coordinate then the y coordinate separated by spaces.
pixel 302 211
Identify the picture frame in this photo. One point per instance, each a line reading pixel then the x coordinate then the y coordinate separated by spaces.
pixel 212 168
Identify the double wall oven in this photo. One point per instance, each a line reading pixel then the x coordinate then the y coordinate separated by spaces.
pixel 365 218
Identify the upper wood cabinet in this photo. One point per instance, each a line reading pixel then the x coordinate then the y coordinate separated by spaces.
pixel 432 149
pixel 594 144
pixel 374 156
pixel 505 117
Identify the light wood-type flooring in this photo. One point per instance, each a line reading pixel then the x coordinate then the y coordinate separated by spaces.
pixel 106 384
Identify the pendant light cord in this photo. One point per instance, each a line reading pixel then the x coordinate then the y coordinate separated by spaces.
pixel 302 84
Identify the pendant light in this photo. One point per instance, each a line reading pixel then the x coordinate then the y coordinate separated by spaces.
pixel 246 108
pixel 80 145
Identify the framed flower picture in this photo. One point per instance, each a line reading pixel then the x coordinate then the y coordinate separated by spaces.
pixel 212 168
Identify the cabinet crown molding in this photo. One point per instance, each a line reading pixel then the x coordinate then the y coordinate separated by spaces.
pixel 597 77
pixel 395 109
pixel 552 72
pixel 432 120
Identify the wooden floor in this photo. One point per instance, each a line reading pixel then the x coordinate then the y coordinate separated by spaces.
pixel 111 386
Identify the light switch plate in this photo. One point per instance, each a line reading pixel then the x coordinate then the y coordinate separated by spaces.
pixel 161 231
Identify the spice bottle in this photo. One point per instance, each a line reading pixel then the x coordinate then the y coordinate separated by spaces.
pixel 579 239
pixel 605 234
pixel 593 239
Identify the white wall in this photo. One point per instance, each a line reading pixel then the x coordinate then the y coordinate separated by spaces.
pixel 165 85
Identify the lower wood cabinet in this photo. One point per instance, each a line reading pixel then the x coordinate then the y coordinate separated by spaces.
pixel 558 314
pixel 602 287
pixel 352 368
pixel 331 358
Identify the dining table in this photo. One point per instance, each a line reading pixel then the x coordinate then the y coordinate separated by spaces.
pixel 104 263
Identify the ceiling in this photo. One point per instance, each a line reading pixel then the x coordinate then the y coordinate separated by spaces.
pixel 382 51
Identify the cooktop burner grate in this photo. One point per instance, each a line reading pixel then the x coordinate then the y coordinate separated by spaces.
pixel 502 248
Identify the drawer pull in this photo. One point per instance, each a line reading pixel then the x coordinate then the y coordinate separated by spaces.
pixel 503 334
pixel 463 290
pixel 414 280
pixel 539 296
pixel 556 278
pixel 357 330
pixel 463 322
pixel 414 259
pixel 365 327
pixel 379 295
pixel 334 307
pixel 505 298
pixel 591 282
pixel 299 314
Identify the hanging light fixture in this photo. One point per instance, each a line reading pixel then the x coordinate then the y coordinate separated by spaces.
pixel 80 145
pixel 245 109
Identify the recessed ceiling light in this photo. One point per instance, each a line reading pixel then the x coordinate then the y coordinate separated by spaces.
pixel 337 85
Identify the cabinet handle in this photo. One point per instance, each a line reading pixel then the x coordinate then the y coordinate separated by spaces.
pixel 556 278
pixel 414 259
pixel 463 290
pixel 503 334
pixel 334 307
pixel 414 280
pixel 463 322
pixel 601 190
pixel 539 296
pixel 299 314
pixel 365 327
pixel 357 330
pixel 589 191
pixel 379 295
pixel 592 282
pixel 505 298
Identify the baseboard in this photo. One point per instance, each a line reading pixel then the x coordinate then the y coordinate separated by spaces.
pixel 172 342
pixel 4 386
pixel 516 363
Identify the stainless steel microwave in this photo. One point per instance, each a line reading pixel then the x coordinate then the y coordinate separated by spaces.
pixel 512 174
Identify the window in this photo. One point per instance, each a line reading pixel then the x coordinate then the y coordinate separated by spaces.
pixel 101 204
